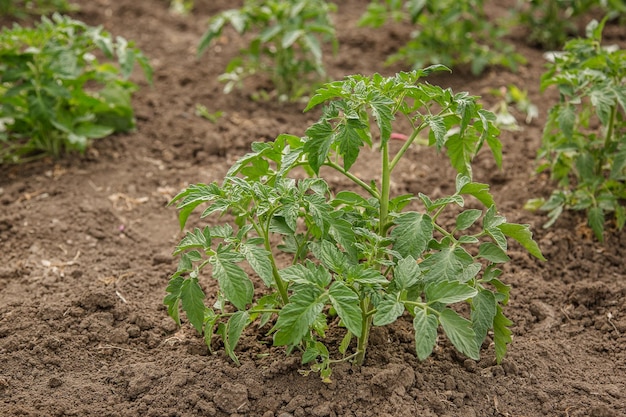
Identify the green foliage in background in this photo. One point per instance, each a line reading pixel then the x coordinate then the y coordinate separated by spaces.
pixel 55 94
pixel 356 256
pixel 584 142
pixel 449 32
pixel 286 44
pixel 23 8
pixel 552 22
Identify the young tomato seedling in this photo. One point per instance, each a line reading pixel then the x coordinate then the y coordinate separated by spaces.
pixel 55 95
pixel 286 46
pixel 356 253
pixel 584 141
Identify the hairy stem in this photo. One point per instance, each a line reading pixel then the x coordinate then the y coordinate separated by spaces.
pixel 384 191
pixel 608 138
pixel 280 284
pixel 372 191
pixel 366 326
pixel 406 146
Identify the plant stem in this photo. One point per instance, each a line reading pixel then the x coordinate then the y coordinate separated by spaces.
pixel 372 191
pixel 280 284
pixel 406 146
pixel 608 137
pixel 384 191
pixel 362 341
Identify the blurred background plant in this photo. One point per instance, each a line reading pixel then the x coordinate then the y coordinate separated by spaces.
pixel 584 141
pixel 286 44
pixel 448 32
pixel 24 8
pixel 552 22
pixel 55 94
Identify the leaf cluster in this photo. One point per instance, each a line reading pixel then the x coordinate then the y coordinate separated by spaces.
pixel 359 257
pixel 584 142
pixel 55 94
pixel 448 32
pixel 286 42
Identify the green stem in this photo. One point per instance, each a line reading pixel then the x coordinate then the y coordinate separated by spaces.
pixel 372 191
pixel 608 138
pixel 406 146
pixel 366 326
pixel 384 191
pixel 280 284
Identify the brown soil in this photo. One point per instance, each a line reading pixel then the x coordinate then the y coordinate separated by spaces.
pixel 86 248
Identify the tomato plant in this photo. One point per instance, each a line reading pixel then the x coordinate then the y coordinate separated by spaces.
pixel 359 253
pixel 449 32
pixel 286 46
pixel 55 95
pixel 584 142
pixel 552 22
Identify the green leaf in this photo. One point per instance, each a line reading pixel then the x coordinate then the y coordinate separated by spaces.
pixel 406 274
pixel 192 298
pixel 448 264
pixel 196 239
pixel 317 147
pixel 467 218
pixel 341 230
pixel 259 260
pixel 425 326
pixel 448 292
pixel 291 36
pixel 231 332
pixel 492 253
pixel 172 299
pixel 368 276
pixel 522 234
pixel 438 129
pixel 461 150
pixel 233 280
pixel 479 191
pixel 345 343
pixel 349 141
pixel 596 222
pixel 388 310
pixel 296 317
pixel 332 257
pixel 484 309
pixel 412 233
pixel 382 111
pixel 93 131
pixel 459 331
pixel 307 274
pixel 501 334
pixel 567 119
pixel 346 302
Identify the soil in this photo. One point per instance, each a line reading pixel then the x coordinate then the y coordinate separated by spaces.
pixel 86 246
